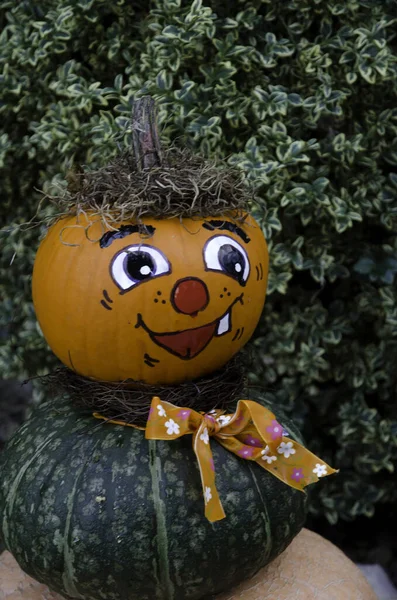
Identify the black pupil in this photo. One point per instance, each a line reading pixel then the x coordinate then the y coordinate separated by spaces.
pixel 139 265
pixel 232 261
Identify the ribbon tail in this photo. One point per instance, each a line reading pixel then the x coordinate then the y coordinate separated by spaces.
pixel 201 446
pixel 302 468
pixel 294 465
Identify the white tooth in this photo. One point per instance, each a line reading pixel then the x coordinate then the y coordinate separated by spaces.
pixel 224 324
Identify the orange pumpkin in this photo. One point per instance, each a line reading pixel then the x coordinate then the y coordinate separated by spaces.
pixel 173 304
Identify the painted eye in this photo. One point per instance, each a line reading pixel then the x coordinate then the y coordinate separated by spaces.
pixel 137 264
pixel 223 253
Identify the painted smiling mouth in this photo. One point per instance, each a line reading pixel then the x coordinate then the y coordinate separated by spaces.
pixel 189 343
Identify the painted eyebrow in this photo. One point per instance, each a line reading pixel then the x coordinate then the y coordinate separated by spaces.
pixel 228 226
pixel 122 232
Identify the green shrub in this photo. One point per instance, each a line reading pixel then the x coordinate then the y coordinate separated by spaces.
pixel 300 95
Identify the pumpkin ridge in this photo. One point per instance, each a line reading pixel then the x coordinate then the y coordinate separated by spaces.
pixel 264 514
pixel 68 571
pixel 161 534
pixel 11 496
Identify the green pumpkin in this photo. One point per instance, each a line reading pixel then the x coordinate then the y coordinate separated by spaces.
pixel 96 511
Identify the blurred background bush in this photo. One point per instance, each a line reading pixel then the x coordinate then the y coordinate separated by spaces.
pixel 300 95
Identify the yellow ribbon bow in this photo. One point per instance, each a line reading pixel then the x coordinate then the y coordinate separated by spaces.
pixel 252 433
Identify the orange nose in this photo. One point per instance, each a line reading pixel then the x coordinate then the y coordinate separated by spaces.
pixel 189 296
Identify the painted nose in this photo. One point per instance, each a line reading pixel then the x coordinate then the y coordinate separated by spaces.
pixel 189 296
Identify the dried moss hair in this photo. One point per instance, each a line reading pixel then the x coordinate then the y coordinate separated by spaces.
pixel 185 185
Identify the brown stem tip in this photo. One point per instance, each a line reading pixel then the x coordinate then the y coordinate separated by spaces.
pixel 145 136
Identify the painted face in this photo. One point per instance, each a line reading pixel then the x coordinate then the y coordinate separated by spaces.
pixel 161 303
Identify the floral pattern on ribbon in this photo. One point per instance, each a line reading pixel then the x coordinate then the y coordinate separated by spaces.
pixel 265 455
pixel 161 411
pixel 320 470
pixel 286 449
pixel 252 433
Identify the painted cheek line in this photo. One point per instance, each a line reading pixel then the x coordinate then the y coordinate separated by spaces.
pixel 106 305
pixel 107 297
pixel 236 335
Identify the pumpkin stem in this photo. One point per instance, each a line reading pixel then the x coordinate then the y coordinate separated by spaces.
pixel 145 136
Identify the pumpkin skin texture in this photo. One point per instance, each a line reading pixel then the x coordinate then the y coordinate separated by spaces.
pixel 166 308
pixel 97 511
pixel 311 568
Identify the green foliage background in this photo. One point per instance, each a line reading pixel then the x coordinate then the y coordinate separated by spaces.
pixel 300 95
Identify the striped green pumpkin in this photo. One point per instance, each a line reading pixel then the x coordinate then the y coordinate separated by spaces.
pixel 95 511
